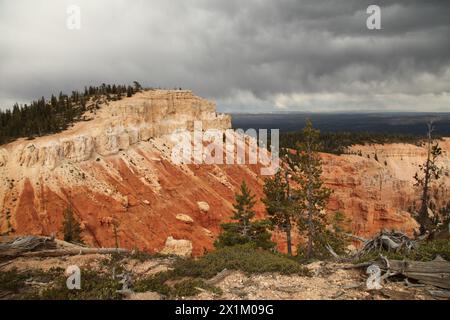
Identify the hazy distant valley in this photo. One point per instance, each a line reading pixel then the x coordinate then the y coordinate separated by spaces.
pixel 399 123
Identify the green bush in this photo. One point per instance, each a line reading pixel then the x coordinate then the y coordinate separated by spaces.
pixel 12 280
pixel 426 251
pixel 144 256
pixel 257 235
pixel 179 288
pixel 94 286
pixel 189 287
pixel 188 275
pixel 155 283
pixel 429 250
pixel 246 258
pixel 15 283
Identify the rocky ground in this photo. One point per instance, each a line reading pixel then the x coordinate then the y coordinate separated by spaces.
pixel 327 280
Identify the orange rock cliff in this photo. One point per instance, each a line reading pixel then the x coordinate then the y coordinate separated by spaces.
pixel 118 166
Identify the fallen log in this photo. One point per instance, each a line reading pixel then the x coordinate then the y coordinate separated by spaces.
pixel 72 252
pixel 435 273
pixel 37 246
pixel 22 244
pixel 440 294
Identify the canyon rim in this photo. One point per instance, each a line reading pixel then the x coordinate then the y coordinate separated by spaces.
pixel 117 167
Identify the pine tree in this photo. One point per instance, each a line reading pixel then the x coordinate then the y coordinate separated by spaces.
pixel 71 227
pixel 279 204
pixel 137 86
pixel 45 117
pixel 245 230
pixel 54 101
pixel 243 208
pixel 311 198
pixel 129 91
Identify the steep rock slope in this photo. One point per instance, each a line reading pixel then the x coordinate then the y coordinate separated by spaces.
pixel 377 189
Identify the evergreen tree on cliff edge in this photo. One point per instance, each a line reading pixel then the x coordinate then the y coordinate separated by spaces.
pixel 244 230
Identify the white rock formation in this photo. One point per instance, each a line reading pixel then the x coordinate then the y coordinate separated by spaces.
pixel 184 218
pixel 116 127
pixel 182 248
pixel 203 206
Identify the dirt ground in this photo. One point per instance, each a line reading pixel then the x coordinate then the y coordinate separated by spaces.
pixel 329 281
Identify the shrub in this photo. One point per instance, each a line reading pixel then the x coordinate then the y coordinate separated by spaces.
pixel 189 287
pixel 426 251
pixel 246 258
pixel 94 286
pixel 15 282
pixel 12 280
pixel 181 288
pixel 188 275
pixel 257 235
pixel 156 283
pixel 145 256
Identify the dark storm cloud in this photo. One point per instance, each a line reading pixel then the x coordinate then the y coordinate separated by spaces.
pixel 248 55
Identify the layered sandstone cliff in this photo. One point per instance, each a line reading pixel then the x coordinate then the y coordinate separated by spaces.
pixel 378 185
pixel 117 167
pixel 116 127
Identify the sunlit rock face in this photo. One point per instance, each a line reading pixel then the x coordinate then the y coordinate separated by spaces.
pixel 119 125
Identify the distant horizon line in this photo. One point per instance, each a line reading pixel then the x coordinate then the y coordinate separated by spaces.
pixel 336 112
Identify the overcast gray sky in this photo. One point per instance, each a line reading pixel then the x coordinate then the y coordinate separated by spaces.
pixel 247 55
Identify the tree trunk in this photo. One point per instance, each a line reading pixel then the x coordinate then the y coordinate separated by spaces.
pixel 116 236
pixel 423 213
pixel 310 235
pixel 245 228
pixel 310 209
pixel 288 218
pixel 288 238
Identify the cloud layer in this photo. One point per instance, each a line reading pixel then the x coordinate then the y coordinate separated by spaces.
pixel 251 55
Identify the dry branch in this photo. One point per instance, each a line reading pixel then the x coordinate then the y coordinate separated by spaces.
pixel 19 245
pixel 436 273
pixel 72 252
pixel 387 241
pixel 34 246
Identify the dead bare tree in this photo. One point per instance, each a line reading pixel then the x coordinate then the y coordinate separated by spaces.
pixel 427 174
